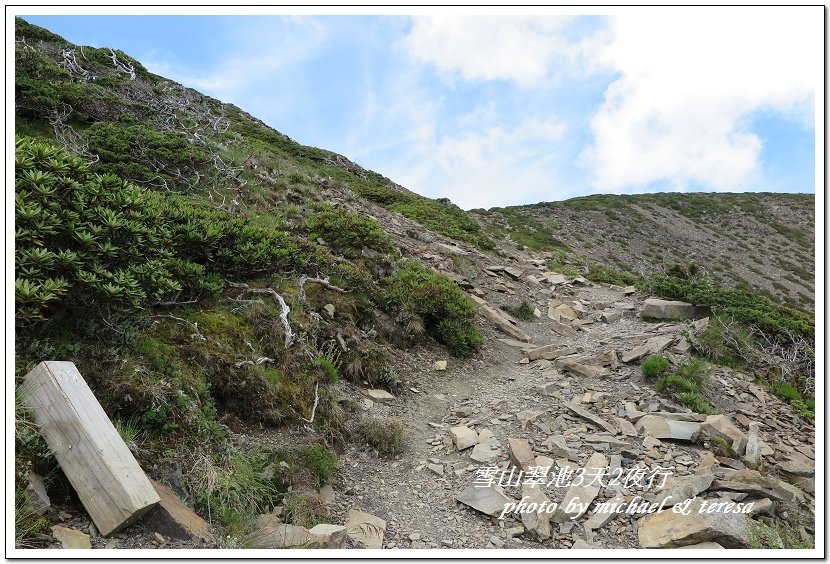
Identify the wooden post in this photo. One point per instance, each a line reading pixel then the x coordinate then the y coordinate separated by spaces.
pixel 97 462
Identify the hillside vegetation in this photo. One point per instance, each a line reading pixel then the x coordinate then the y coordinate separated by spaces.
pixel 759 242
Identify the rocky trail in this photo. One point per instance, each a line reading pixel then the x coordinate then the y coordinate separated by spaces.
pixel 576 403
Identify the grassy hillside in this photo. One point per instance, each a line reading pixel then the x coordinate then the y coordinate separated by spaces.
pixel 760 242
pixel 206 273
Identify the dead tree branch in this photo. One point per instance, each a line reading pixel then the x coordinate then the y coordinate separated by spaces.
pixel 324 282
pixel 284 309
pixel 126 68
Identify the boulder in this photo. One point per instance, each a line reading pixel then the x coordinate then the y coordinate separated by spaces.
pixel 536 522
pixel 611 316
pixel 520 454
pixel 439 365
pixel 463 437
pixel 365 528
pixel 564 311
pixel 666 309
pixel 668 529
pixel 36 494
pixel 752 456
pixel 330 536
pixel 703 546
pixel 489 500
pixel 721 426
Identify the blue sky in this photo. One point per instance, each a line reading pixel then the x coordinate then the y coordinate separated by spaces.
pixel 493 111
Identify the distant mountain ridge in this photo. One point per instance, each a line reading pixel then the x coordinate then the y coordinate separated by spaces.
pixel 761 241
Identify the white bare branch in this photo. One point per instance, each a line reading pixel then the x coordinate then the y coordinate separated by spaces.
pixel 324 282
pixel 284 309
pixel 126 68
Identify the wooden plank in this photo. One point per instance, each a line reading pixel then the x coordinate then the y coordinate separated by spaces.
pixel 110 483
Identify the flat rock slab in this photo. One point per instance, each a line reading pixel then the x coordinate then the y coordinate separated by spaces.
pixel 439 365
pixel 605 514
pixel 585 370
pixel 518 344
pixel 563 329
pixel 668 529
pixel 680 488
pixel 537 523
pixel 549 352
pixel 380 395
pixel 666 309
pixel 661 428
pixel 365 528
pixel 591 418
pixel 502 323
pixel 578 498
pixel 486 499
pixel 484 452
pixel 463 437
pixel 70 538
pixel 557 445
pixel 520 454
pixel 753 482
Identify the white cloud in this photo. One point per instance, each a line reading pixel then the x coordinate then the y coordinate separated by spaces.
pixel 491 165
pixel 490 47
pixel 675 113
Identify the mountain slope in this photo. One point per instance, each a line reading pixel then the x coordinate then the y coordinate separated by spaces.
pixel 764 242
pixel 239 304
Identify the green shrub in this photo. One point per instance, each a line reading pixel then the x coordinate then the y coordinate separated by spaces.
pixel 433 298
pixel 749 308
pixel 100 245
pixel 695 370
pixel 675 383
pixel 348 232
pixel 654 366
pixel 141 154
pixel 693 401
pixel 603 275
pixel 328 368
pixel 322 461
pixel 523 312
pixel 786 391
